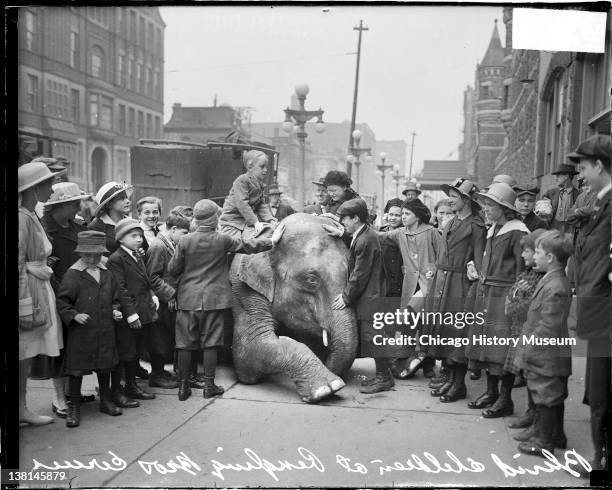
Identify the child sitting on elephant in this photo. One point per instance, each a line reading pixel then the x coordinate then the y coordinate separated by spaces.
pixel 245 214
pixel 204 292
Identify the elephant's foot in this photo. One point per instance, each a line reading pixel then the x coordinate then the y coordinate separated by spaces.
pixel 324 391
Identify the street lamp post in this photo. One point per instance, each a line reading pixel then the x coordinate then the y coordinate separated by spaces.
pixel 356 151
pixel 300 117
pixel 397 178
pixel 382 168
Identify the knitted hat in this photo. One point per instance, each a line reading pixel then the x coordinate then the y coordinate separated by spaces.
pixel 419 209
pixel 393 202
pixel 91 242
pixel 337 177
pixel 32 174
pixel 65 192
pixel 126 225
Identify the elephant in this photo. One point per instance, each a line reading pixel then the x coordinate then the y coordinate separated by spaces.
pixel 289 289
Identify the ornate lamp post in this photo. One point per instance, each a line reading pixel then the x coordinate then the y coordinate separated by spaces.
pixel 382 168
pixel 300 117
pixel 356 151
pixel 397 178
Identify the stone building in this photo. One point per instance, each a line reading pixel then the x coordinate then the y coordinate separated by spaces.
pixel 90 85
pixel 552 100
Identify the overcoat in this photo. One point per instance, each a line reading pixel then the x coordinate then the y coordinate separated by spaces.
pixel 533 222
pixel 157 258
pixel 501 264
pixel 592 256
pixel 392 260
pixel 106 225
pixel 553 195
pixel 547 319
pixel 282 211
pixel 93 346
pixel 64 242
pixel 462 241
pixel 425 240
pixel 135 288
pixel 244 206
pixel 201 268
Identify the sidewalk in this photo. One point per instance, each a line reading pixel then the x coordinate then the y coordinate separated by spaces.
pixel 346 440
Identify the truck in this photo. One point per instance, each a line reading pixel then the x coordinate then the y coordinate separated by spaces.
pixel 182 173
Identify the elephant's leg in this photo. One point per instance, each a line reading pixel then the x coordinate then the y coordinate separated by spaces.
pixel 258 351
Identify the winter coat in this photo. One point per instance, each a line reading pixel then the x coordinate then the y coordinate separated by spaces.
pixel 533 222
pixel 553 195
pixel 64 242
pixel 392 261
pixel 592 256
pixel 157 258
pixel 425 240
pixel 333 206
pixel 501 264
pixel 134 286
pixel 547 319
pixel 106 225
pixel 462 241
pixel 282 211
pixel 92 346
pixel 244 206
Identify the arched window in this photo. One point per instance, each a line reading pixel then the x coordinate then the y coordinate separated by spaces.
pixel 98 62
pixel 555 106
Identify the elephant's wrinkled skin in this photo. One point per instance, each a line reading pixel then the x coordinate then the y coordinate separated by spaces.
pixel 292 287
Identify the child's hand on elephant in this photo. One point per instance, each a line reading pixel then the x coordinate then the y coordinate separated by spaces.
pixel 333 230
pixel 278 233
pixel 338 303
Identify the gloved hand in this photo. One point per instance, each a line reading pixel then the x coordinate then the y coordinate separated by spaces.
pixel 135 325
pixel 117 315
pixel 259 227
pixel 156 302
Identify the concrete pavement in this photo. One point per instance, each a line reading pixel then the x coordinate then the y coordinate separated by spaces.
pixel 263 435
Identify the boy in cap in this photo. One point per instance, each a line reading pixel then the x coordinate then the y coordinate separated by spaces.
pixel 86 302
pixel 138 306
pixel 593 290
pixel 366 283
pixel 562 197
pixel 525 204
pixel 204 292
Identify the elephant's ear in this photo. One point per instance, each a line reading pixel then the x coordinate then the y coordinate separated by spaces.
pixel 256 271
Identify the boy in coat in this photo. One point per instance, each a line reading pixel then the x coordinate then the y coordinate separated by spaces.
pixel 366 283
pixel 204 292
pixel 138 306
pixel 85 301
pixel 547 366
pixel 593 289
pixel 158 255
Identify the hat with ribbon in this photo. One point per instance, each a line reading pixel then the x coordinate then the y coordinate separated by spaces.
pixel 107 192
pixel 523 189
pixel 126 225
pixel 66 192
pixel 411 186
pixel 597 146
pixel 32 174
pixel 564 168
pixel 464 187
pixel 419 209
pixel 92 242
pixel 501 193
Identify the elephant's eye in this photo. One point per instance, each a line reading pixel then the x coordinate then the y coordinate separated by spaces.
pixel 311 281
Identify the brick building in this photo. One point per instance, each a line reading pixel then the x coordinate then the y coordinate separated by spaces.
pixel 90 84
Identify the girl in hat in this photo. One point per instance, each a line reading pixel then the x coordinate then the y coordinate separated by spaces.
pixel 39 324
pixel 113 205
pixel 85 301
pixel 339 189
pixel 245 213
pixel 418 242
pixel 462 242
pixel 392 258
pixel 501 264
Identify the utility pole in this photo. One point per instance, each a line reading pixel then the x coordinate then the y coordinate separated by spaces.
pixel 361 28
pixel 411 154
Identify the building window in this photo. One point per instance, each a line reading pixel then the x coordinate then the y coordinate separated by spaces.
pixel 156 93
pixel 30 30
pixel 93 109
pixel 131 74
pixel 121 119
pixel 56 101
pixel 121 70
pixel 32 97
pixel 555 110
pixel 106 113
pixel 140 78
pixel 485 92
pixel 131 122
pixel 75 105
pixel 99 15
pixel 122 21
pixel 159 45
pixel 74 49
pixel 141 33
pixel 140 133
pixel 157 127
pixel 149 81
pixel 97 62
pixel 122 162
pixel 150 37
pixel 506 96
pixel 149 127
pixel 133 33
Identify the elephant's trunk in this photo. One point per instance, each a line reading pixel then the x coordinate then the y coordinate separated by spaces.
pixel 343 339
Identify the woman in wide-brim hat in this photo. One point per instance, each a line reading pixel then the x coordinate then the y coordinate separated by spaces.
pixel 501 264
pixel 113 200
pixel 40 329
pixel 462 242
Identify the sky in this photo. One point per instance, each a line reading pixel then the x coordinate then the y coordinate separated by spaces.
pixel 415 64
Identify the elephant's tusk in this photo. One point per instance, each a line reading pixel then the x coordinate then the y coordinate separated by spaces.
pixel 325 338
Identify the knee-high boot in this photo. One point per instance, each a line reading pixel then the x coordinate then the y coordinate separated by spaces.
pixel 503 406
pixel 74 408
pixel 458 391
pixel 184 367
pixel 490 396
